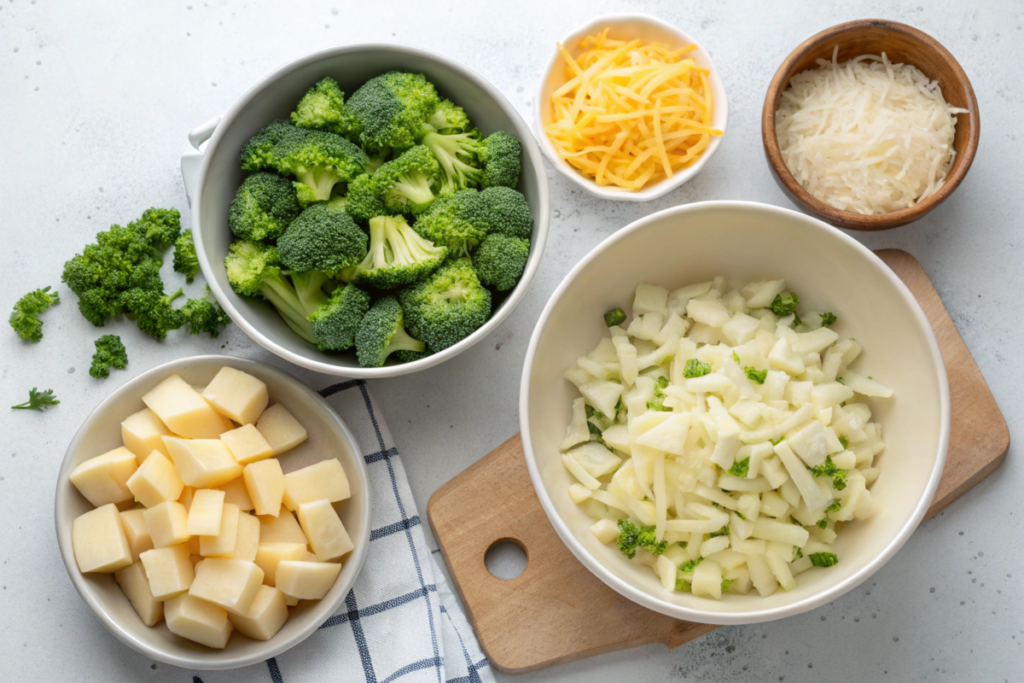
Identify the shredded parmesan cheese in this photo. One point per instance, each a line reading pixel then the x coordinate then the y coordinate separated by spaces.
pixel 631 113
pixel 867 135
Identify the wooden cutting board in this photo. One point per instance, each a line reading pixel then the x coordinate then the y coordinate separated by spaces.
pixel 556 611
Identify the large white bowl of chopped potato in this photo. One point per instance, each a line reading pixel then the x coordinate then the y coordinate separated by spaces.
pixel 733 413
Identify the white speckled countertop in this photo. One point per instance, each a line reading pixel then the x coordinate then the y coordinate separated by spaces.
pixel 96 104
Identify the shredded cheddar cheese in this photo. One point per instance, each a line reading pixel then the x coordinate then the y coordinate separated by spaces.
pixel 631 113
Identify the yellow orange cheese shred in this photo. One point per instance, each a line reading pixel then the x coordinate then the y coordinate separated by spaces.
pixel 630 113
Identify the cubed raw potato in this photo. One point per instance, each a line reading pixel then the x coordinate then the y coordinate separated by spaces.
pixel 141 434
pixel 323 480
pixel 136 532
pixel 247 444
pixel 156 481
pixel 247 538
pixel 606 530
pixel 169 571
pixel 281 529
pixel 99 541
pixel 184 411
pixel 135 585
pixel 167 523
pixel 232 584
pixel 104 479
pixel 269 555
pixel 223 544
pixel 237 395
pixel 198 621
pixel 203 463
pixel 264 482
pixel 281 430
pixel 265 617
pixel 186 497
pixel 194 545
pixel 205 514
pixel 290 601
pixel 306 580
pixel 323 528
pixel 236 494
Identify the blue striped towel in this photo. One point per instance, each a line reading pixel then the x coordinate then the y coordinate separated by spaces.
pixel 400 622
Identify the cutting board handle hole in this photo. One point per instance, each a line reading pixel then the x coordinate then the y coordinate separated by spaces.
pixel 506 559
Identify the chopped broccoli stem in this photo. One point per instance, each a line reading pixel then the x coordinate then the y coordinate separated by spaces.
pixel 614 317
pixel 844 441
pixel 755 375
pixel 823 559
pixel 740 468
pixel 695 368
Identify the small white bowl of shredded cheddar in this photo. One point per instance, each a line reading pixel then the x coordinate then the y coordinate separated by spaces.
pixel 630 108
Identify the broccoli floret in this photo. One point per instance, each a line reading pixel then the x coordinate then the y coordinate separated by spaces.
pixel 382 332
pixel 404 184
pixel 695 368
pixel 456 154
pixel 152 311
pixel 844 441
pixel 335 323
pixel 322 239
pixel 457 221
pixel 387 113
pixel 257 154
pixel 448 118
pixel 121 260
pixel 784 305
pixel 499 156
pixel 25 316
pixel 614 317
pixel 507 212
pixel 740 468
pixel 828 319
pixel 501 260
pixel 447 306
pixel 659 396
pixel 632 537
pixel 823 559
pixel 255 269
pixel 263 207
pixel 397 255
pixel 204 315
pixel 318 160
pixel 409 356
pixel 362 202
pixel 755 375
pixel 185 260
pixel 37 400
pixel 110 353
pixel 321 107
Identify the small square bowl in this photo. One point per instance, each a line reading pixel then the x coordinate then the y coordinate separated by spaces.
pixel 628 27
pixel 329 437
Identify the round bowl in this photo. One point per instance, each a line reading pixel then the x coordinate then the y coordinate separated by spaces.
pixel 328 438
pixel 628 27
pixel 746 241
pixel 903 44
pixel 274 97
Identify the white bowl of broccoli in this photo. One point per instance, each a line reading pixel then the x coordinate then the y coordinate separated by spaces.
pixel 369 210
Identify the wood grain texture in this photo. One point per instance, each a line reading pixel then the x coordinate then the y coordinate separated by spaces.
pixel 901 43
pixel 556 611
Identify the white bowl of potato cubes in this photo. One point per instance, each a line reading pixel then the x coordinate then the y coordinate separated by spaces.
pixel 213 512
pixel 733 413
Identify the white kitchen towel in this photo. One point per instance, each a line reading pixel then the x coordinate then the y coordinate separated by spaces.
pixel 400 622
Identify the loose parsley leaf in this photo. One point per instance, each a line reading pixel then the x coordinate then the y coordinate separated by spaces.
pixel 37 400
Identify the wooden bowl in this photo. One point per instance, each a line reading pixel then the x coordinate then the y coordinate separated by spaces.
pixel 901 43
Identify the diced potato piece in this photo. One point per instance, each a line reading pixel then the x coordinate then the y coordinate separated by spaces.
pixel 232 584
pixel 323 528
pixel 156 481
pixel 236 493
pixel 579 493
pixel 264 482
pixel 248 537
pixel 205 514
pixel 169 571
pixel 282 529
pixel 104 479
pixel 167 523
pixel 707 580
pixel 323 480
pixel 784 358
pixel 135 585
pixel 136 532
pixel 198 621
pixel 268 555
pixel 203 463
pixel 281 430
pixel 223 544
pixel 99 541
pixel 184 411
pixel 265 617
pixel 186 496
pixel 246 444
pixel 290 601
pixel 237 395
pixel 650 299
pixel 306 580
pixel 141 434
